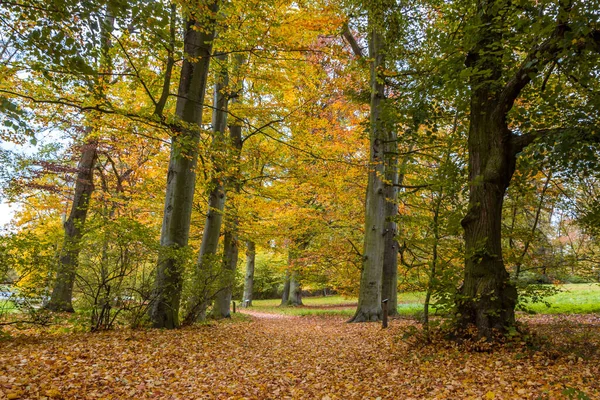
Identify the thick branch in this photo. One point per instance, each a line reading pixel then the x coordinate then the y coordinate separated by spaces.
pixel 356 49
pixel 519 142
pixel 540 55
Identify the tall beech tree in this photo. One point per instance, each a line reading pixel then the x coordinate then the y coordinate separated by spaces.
pixel 249 277
pixel 199 34
pixel 207 266
pixel 232 187
pixel 369 300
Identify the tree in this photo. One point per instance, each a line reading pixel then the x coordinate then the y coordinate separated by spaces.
pixel 62 293
pixel 369 300
pixel 207 264
pixel 232 188
pixel 181 178
pixel 487 296
pixel 249 277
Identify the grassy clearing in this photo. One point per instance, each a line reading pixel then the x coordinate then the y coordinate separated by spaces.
pixel 408 304
pixel 330 305
pixel 311 301
pixel 574 299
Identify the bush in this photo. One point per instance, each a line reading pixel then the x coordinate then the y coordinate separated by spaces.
pixel 533 278
pixel 533 294
pixel 575 279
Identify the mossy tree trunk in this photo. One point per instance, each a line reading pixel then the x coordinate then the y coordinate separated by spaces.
pixel 181 178
pixel 221 307
pixel 487 297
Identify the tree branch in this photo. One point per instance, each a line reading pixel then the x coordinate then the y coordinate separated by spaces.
pixel 162 101
pixel 356 49
pixel 540 55
pixel 519 142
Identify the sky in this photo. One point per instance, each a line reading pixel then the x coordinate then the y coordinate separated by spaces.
pixel 6 213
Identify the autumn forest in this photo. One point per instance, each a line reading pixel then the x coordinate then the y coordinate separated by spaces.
pixel 300 199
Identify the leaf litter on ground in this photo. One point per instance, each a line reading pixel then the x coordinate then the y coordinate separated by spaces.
pixel 298 358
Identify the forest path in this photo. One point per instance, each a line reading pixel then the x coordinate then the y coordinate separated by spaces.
pixel 293 358
pixel 264 315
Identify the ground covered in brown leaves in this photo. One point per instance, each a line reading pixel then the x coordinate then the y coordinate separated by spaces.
pixel 310 357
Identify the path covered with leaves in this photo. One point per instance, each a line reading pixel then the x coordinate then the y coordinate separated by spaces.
pixel 284 358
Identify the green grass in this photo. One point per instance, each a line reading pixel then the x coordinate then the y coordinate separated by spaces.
pixel 310 301
pixel 408 304
pixel 312 306
pixel 7 307
pixel 574 299
pixel 580 298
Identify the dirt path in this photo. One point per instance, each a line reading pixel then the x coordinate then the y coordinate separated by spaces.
pixel 264 315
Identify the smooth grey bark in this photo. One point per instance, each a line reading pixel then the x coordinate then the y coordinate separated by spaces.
pixel 61 298
pixel 369 298
pixel 222 301
pixel 389 287
pixel 285 295
pixel 295 297
pixel 208 270
pixel 292 290
pixel 392 248
pixel 181 177
pixel 221 307
pixel 249 279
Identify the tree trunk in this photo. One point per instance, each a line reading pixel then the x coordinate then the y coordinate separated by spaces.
pixel 285 295
pixel 249 280
pixel 369 299
pixel 62 294
pixel 208 267
pixel 292 295
pixel 61 298
pixel 181 178
pixel 487 297
pixel 295 298
pixel 434 262
pixel 233 183
pixel 221 306
pixel 389 289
